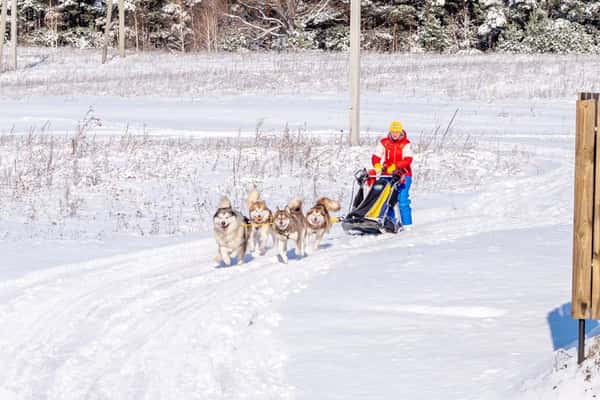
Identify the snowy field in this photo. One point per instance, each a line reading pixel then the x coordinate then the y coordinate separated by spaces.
pixel 109 176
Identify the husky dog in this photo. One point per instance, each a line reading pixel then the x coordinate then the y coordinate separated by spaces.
pixel 231 233
pixel 318 219
pixel 290 223
pixel 261 219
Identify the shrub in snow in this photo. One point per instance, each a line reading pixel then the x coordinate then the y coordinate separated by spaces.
pixel 380 40
pixel 302 39
pixel 335 38
pixel 232 41
pixel 82 38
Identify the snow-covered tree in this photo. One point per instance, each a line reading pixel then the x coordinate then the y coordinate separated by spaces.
pixel 495 21
pixel 432 35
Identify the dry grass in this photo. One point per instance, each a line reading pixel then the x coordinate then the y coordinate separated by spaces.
pixel 88 186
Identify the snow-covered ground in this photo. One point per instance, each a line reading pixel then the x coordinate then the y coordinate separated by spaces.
pixel 109 289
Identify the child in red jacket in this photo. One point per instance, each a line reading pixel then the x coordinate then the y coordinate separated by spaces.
pixel 394 154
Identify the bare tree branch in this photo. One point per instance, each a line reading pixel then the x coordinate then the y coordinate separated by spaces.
pixel 277 21
pixel 265 31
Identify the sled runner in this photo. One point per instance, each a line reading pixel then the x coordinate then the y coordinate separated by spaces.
pixel 372 209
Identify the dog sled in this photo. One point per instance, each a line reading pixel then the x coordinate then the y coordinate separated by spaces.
pixel 373 207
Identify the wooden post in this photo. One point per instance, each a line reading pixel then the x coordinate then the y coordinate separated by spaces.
pixel 13 32
pixel 122 28
pixel 583 213
pixel 109 5
pixel 595 288
pixel 2 29
pixel 586 217
pixel 354 72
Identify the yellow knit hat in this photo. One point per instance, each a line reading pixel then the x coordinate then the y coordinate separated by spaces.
pixel 396 126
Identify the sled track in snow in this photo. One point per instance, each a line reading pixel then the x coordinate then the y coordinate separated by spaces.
pixel 167 324
pixel 156 324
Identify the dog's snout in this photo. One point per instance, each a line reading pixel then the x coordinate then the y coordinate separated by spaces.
pixel 223 223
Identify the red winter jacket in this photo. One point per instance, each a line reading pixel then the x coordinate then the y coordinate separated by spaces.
pixel 397 152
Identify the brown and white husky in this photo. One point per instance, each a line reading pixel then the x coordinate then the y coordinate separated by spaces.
pixel 318 219
pixel 290 224
pixel 261 219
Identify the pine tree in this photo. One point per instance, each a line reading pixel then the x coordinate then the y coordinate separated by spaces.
pixel 432 36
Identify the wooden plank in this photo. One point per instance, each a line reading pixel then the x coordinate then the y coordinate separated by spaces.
pixel 107 30
pixel 583 210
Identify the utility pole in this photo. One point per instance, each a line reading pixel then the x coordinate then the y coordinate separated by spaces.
pixel 13 32
pixel 354 72
pixel 109 5
pixel 2 29
pixel 122 28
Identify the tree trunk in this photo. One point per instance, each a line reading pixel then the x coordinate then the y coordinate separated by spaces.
pixel 137 32
pixel 122 28
pixel 13 33
pixel 182 34
pixel 2 29
pixel 106 30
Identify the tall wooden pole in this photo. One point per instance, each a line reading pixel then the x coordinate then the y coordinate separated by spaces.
pixel 354 72
pixel 13 32
pixel 109 5
pixel 2 29
pixel 122 28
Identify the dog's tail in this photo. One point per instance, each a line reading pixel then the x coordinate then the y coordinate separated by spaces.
pixel 224 202
pixel 252 197
pixel 330 205
pixel 295 205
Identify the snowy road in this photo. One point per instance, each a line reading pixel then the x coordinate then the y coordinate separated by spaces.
pixel 317 113
pixel 167 324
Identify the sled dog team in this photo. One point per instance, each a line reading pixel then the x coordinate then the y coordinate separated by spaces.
pixel 235 234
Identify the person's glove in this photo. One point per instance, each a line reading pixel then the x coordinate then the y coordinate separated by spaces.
pixel 378 168
pixel 391 169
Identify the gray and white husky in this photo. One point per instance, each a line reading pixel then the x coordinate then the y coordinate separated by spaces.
pixel 231 233
pixel 290 224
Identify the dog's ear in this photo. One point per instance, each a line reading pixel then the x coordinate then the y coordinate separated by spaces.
pixel 287 209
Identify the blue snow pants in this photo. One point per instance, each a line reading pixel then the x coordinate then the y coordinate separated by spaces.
pixel 403 203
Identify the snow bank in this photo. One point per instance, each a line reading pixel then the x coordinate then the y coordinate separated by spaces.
pixel 566 380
